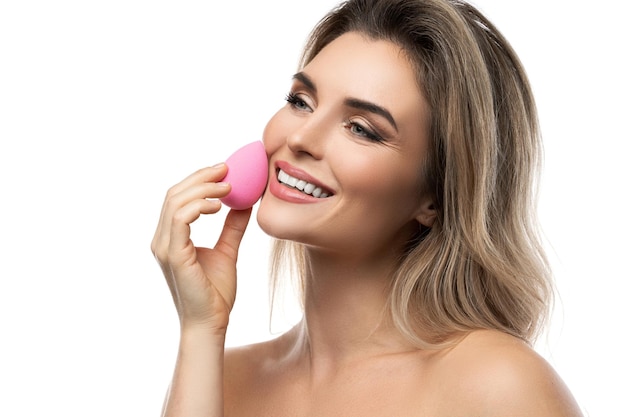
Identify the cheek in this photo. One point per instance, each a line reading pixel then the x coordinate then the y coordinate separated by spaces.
pixel 272 137
pixel 377 176
pixel 383 187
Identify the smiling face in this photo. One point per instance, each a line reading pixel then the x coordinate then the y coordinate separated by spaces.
pixel 347 151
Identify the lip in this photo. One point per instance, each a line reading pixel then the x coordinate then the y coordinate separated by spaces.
pixel 290 194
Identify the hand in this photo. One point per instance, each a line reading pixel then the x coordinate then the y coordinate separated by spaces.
pixel 202 281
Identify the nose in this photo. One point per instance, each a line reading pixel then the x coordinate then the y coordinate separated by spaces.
pixel 309 136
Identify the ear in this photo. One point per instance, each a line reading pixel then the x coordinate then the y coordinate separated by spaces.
pixel 426 213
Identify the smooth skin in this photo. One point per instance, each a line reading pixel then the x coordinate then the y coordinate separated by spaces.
pixel 203 283
pixel 344 358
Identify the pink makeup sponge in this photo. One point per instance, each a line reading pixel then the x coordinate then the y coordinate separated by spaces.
pixel 247 175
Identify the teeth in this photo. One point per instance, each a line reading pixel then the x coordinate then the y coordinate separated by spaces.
pixel 309 188
pixel 305 187
pixel 301 184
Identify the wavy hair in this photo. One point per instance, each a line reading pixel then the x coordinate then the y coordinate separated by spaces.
pixel 481 264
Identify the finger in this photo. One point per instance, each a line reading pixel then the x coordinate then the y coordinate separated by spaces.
pixel 205 175
pixel 180 230
pixel 197 192
pixel 202 176
pixel 232 233
pixel 205 190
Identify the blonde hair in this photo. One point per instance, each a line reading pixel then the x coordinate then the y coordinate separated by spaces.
pixel 481 264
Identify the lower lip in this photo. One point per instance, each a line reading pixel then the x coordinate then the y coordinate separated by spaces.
pixel 292 195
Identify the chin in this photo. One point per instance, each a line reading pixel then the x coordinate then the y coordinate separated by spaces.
pixel 274 222
pixel 282 222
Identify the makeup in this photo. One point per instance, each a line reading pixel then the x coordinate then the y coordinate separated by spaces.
pixel 247 175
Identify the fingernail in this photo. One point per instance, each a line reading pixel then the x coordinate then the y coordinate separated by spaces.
pixel 221 164
pixel 222 184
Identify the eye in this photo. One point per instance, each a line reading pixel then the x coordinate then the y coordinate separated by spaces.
pixel 359 130
pixel 297 103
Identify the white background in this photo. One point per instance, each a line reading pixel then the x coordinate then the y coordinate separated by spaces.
pixel 105 104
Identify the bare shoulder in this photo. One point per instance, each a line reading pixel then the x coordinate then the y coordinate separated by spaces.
pixel 252 376
pixel 245 363
pixel 502 375
pixel 243 369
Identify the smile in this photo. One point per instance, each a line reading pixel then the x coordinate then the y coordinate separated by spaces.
pixel 305 187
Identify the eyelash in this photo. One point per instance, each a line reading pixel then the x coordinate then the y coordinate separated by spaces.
pixel 364 132
pixel 295 101
pixel 298 104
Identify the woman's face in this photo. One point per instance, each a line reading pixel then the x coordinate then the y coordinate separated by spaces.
pixel 353 137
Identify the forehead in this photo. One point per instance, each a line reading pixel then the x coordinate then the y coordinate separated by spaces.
pixel 374 70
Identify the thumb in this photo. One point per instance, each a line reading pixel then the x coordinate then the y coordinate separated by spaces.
pixel 232 233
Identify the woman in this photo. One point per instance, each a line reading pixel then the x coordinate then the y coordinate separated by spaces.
pixel 412 131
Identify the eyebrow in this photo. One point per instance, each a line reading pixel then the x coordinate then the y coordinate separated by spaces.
pixel 371 108
pixel 355 103
pixel 304 79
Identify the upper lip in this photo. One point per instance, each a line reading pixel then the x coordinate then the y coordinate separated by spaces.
pixel 302 175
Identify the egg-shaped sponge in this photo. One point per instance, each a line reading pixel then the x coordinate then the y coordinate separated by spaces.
pixel 247 175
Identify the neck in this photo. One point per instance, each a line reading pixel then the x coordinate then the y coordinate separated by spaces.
pixel 346 309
